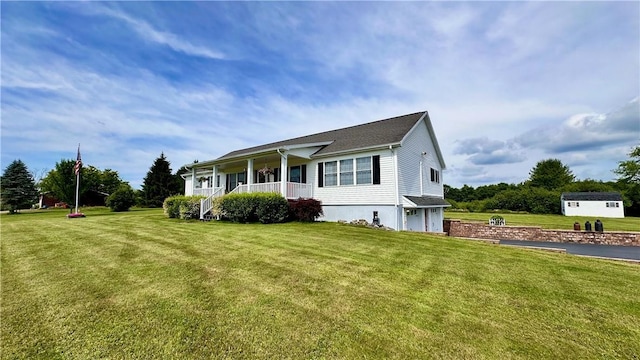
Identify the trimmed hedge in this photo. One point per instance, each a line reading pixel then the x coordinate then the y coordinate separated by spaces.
pixel 182 207
pixel 266 208
pixel 306 210
pixel 122 199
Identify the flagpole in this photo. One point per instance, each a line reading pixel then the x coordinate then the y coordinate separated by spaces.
pixel 77 188
pixel 76 168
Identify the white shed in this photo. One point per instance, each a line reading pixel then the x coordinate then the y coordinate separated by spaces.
pixel 600 204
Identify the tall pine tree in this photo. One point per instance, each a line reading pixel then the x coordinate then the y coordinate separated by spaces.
pixel 18 189
pixel 550 174
pixel 159 183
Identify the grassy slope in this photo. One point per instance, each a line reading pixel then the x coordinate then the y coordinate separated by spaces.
pixel 137 285
pixel 550 221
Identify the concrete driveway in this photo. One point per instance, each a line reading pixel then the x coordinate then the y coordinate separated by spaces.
pixel 607 251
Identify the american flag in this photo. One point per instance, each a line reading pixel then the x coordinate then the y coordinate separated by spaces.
pixel 78 165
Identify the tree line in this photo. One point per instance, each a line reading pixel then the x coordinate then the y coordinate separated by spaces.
pixel 540 193
pixel 19 188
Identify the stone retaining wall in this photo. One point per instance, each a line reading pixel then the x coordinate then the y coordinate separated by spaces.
pixel 458 228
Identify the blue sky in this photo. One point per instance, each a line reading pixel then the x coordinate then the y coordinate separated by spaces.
pixel 506 84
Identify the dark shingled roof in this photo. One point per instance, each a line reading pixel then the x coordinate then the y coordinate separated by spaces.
pixel 377 133
pixel 592 196
pixel 427 200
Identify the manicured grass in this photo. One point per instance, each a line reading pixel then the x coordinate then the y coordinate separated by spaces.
pixel 556 222
pixel 137 285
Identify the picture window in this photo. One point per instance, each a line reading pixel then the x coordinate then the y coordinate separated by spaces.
pixel 358 171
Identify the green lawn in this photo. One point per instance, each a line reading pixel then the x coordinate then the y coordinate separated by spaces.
pixel 556 222
pixel 137 285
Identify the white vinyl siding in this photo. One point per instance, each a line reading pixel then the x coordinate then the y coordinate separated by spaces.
pixel 360 194
pixel 410 154
pixel 188 186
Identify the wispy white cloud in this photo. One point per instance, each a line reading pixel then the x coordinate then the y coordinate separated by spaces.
pixel 149 33
pixel 493 82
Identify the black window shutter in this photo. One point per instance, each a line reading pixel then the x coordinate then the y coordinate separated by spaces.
pixel 276 174
pixel 303 174
pixel 320 175
pixel 376 169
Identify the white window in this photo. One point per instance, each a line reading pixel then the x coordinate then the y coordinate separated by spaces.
pixel 331 173
pixel 358 171
pixel 346 172
pixel 363 170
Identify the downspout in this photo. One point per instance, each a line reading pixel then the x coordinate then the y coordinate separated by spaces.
pixel 421 176
pixel 397 187
pixel 193 180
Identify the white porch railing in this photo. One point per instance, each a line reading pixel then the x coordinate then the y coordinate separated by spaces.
pixel 206 191
pixel 272 187
pixel 294 190
pixel 207 204
pixel 298 190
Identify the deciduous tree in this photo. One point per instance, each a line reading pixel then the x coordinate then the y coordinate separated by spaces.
pixel 628 172
pixel 61 181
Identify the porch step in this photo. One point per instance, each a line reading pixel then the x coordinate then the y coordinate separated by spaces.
pixel 208 217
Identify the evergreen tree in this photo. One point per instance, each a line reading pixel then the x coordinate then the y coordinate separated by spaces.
pixel 18 189
pixel 159 183
pixel 550 174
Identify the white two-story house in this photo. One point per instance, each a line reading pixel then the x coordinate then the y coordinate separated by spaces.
pixel 390 170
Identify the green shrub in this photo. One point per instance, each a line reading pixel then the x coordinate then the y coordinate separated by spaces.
pixel 307 210
pixel 264 207
pixel 182 207
pixel 239 208
pixel 190 208
pixel 122 199
pixel 271 208
pixel 171 206
pixel 216 208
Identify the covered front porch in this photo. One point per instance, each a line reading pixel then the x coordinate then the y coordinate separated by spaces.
pixel 282 171
pixel 288 177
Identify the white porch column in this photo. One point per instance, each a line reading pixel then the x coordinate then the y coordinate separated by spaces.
pixel 214 176
pixel 249 173
pixel 283 174
pixel 193 180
